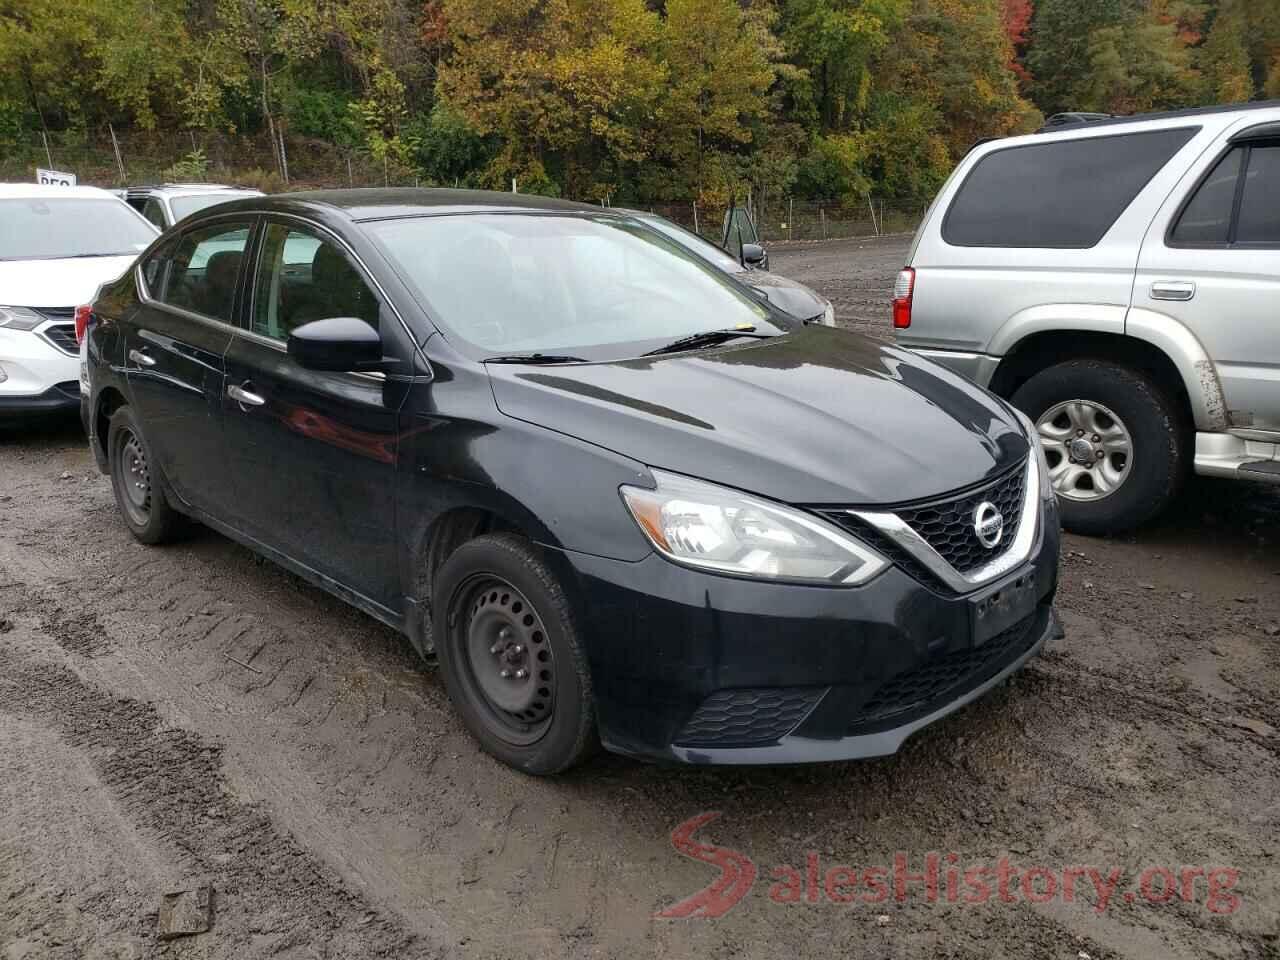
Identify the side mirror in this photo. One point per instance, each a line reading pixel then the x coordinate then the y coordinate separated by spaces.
pixel 336 343
pixel 753 254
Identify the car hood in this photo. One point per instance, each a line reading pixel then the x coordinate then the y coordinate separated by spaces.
pixel 820 416
pixel 789 296
pixel 57 283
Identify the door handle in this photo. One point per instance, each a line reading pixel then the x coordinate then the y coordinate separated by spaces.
pixel 245 397
pixel 1173 290
pixel 141 359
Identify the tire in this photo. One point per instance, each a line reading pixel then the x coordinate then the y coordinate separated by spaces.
pixel 140 491
pixel 1158 441
pixel 499 606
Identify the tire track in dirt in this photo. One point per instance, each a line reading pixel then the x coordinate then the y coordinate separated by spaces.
pixel 270 894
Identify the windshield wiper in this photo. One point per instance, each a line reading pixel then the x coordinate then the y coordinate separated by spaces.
pixel 535 358
pixel 708 338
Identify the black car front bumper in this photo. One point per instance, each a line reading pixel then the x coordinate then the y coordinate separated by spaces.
pixel 708 669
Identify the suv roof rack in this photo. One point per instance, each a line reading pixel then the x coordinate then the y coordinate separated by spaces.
pixel 1078 116
pixel 1072 120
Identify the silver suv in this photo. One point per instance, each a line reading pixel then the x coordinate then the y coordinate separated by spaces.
pixel 1119 281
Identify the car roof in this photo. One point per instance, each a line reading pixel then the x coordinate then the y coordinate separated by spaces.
pixel 378 203
pixel 15 191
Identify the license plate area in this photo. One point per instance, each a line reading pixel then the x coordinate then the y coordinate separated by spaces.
pixel 1000 607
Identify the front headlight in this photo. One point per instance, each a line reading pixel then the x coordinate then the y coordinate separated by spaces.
pixel 1037 448
pixel 829 315
pixel 19 318
pixel 715 528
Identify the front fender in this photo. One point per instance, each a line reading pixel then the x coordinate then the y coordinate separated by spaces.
pixel 1195 367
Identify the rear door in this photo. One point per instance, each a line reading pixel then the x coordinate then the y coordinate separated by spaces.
pixel 1211 261
pixel 314 452
pixel 174 347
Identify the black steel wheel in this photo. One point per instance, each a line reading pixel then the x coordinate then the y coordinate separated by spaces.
pixel 509 662
pixel 132 475
pixel 510 654
pixel 136 482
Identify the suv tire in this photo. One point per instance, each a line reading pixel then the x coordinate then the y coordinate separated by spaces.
pixel 1158 461
pixel 511 656
pixel 138 485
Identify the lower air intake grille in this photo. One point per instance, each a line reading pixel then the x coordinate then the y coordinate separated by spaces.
pixel 749 716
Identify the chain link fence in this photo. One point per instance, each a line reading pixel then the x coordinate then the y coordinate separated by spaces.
pixel 804 220
pixel 277 164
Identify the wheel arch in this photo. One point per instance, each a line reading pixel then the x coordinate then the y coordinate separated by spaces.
pixel 1191 383
pixel 109 400
pixel 433 542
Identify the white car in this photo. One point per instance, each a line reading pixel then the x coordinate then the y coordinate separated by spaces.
pixel 57 246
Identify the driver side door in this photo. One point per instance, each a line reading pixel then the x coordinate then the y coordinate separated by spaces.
pixel 314 452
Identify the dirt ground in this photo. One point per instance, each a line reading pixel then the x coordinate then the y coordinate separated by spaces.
pixel 191 715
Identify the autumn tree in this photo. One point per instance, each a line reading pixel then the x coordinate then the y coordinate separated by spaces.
pixel 1224 58
pixel 715 55
pixel 561 84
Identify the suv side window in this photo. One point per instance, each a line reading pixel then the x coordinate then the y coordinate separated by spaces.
pixel 205 268
pixel 1206 219
pixel 301 278
pixel 1260 200
pixel 1064 194
pixel 1238 202
pixel 154 212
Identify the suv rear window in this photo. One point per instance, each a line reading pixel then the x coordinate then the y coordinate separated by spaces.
pixel 1063 194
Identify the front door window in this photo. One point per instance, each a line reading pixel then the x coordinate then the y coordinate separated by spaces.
pixel 303 278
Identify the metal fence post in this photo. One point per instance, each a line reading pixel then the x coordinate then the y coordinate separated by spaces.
pixel 115 145
pixel 791 218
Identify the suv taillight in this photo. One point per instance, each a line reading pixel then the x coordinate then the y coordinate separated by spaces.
pixel 83 316
pixel 903 288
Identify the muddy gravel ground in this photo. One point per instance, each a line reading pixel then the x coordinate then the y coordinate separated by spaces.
pixel 177 717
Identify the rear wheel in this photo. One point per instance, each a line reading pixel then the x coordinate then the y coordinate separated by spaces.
pixel 136 482
pixel 1115 443
pixel 511 656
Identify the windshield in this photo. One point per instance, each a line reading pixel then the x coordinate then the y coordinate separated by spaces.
pixel 185 206
pixel 691 241
pixel 44 228
pixel 599 287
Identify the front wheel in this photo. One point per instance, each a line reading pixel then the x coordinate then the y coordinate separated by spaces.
pixel 511 656
pixel 1115 443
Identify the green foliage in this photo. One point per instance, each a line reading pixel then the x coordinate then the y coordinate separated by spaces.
pixel 192 167
pixel 627 100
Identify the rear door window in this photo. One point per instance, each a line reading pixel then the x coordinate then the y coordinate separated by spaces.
pixel 205 270
pixel 1065 194
pixel 1260 199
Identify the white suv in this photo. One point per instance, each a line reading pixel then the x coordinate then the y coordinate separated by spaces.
pixel 57 245
pixel 166 204
pixel 1119 280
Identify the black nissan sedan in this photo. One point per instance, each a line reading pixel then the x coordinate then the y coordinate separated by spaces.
pixel 620 499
